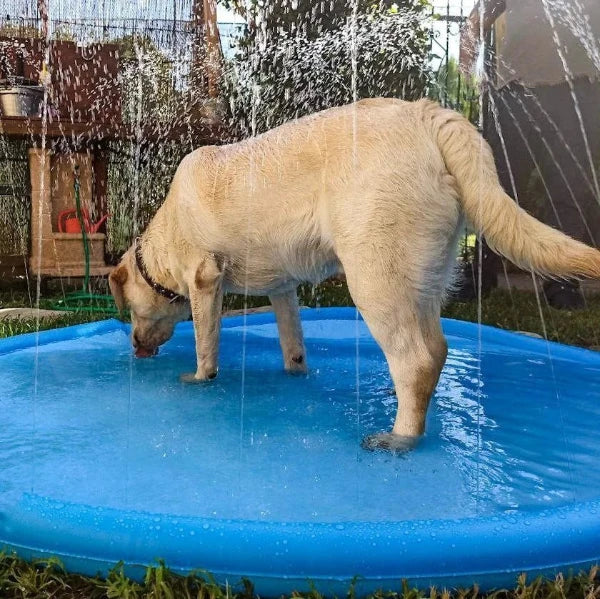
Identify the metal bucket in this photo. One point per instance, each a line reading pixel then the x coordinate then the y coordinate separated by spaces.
pixel 21 100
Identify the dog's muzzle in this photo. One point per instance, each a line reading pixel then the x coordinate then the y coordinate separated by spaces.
pixel 141 350
pixel 145 352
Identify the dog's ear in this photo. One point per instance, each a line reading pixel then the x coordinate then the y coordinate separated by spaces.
pixel 116 280
pixel 209 272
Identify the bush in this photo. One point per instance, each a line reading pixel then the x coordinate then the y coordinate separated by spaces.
pixel 301 57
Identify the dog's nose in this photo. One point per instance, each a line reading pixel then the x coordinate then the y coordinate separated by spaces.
pixel 136 341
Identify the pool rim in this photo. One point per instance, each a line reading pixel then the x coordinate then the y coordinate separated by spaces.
pixel 496 548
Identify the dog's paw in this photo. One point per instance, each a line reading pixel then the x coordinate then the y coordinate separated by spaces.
pixel 397 444
pixel 296 365
pixel 192 377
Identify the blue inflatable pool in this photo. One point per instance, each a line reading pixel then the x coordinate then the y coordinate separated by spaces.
pixel 261 474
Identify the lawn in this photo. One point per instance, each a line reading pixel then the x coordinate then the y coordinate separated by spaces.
pixel 516 310
pixel 48 580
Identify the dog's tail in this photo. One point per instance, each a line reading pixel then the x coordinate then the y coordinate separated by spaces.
pixel 508 229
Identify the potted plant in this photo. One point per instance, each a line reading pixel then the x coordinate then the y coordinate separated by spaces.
pixel 18 96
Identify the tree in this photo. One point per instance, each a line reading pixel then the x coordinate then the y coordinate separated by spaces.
pixel 148 91
pixel 140 171
pixel 301 56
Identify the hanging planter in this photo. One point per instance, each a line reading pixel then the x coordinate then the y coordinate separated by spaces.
pixel 20 97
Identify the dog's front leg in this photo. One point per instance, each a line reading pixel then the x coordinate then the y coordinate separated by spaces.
pixel 285 307
pixel 206 299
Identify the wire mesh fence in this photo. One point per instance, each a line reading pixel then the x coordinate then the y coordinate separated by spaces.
pixel 15 211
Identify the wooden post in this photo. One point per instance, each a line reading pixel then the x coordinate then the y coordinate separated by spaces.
pixel 41 209
pixel 197 79
pixel 206 58
pixel 100 178
pixel 213 48
pixel 43 10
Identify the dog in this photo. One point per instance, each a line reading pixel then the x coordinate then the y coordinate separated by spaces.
pixel 376 190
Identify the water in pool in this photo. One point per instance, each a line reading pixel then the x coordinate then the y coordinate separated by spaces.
pixel 512 427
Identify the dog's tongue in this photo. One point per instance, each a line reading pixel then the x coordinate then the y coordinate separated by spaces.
pixel 144 352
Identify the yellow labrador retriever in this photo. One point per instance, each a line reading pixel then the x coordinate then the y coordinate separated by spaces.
pixel 376 190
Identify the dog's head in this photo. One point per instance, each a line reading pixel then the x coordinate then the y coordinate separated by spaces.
pixel 153 317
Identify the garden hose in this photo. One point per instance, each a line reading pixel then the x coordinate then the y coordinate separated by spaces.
pixel 84 300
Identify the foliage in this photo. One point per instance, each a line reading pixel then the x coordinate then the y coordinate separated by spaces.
pixel 138 182
pixel 456 90
pixel 64 33
pixel 147 81
pixel 140 173
pixel 520 311
pixel 512 310
pixel 8 29
pixel 299 57
pixel 14 197
pixel 47 578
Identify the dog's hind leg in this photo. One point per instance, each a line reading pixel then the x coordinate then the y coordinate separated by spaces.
pixel 407 328
pixel 285 306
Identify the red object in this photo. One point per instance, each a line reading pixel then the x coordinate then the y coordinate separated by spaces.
pixel 69 223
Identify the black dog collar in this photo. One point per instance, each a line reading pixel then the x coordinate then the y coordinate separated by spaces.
pixel 139 260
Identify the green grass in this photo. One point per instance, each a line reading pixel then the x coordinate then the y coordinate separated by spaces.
pixel 517 310
pixel 520 311
pixel 47 579
pixel 20 299
pixel 31 325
